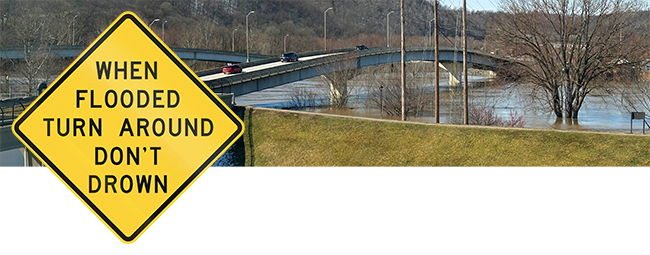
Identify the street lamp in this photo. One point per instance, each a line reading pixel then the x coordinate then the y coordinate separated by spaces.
pixel 163 28
pixel 247 51
pixel 233 40
pixel 153 22
pixel 430 30
pixel 381 101
pixel 325 26
pixel 75 16
pixel 388 28
pixel 285 42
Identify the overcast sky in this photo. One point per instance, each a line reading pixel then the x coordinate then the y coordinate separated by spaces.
pixel 474 5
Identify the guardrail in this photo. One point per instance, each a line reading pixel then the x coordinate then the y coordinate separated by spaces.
pixel 10 109
pixel 346 54
pixel 270 59
pixel 16 52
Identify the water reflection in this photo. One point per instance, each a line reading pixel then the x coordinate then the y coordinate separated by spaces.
pixel 596 114
pixel 236 154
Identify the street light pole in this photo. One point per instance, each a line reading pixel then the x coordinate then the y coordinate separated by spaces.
pixel 388 28
pixel 233 40
pixel 75 16
pixel 285 42
pixel 153 22
pixel 325 26
pixel 430 31
pixel 248 59
pixel 403 60
pixel 163 30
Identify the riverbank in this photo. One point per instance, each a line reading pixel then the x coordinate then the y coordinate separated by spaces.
pixel 287 138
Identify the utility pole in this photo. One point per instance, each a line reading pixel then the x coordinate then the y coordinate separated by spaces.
pixel 465 103
pixel 388 28
pixel 435 44
pixel 403 62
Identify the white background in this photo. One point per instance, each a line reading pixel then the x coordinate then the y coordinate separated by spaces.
pixel 351 211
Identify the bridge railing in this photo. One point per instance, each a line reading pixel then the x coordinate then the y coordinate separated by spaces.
pixel 10 109
pixel 336 56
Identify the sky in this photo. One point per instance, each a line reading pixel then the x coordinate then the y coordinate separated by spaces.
pixel 473 5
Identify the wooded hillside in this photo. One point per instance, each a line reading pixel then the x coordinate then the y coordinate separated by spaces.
pixel 209 24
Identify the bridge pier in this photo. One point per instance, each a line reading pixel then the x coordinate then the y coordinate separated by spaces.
pixel 29 159
pixel 338 92
pixel 338 85
pixel 455 70
pixel 190 62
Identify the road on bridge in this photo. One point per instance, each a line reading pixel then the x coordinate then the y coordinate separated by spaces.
pixel 262 67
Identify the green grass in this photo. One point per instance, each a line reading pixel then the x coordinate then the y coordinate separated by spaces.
pixel 276 138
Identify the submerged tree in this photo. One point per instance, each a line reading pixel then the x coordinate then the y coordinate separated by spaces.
pixel 565 47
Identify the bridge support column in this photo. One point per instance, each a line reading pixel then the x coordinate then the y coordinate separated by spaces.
pixel 29 159
pixel 336 76
pixel 338 91
pixel 455 70
pixel 190 62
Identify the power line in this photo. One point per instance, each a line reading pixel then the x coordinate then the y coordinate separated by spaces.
pixel 479 3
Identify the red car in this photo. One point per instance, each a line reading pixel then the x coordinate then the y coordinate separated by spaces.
pixel 230 68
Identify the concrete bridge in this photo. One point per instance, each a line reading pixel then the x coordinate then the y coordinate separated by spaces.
pixel 72 51
pixel 270 73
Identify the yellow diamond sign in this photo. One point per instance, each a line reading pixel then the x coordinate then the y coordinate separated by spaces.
pixel 128 127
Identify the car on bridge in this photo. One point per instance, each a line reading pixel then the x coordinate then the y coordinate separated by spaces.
pixel 289 57
pixel 230 68
pixel 360 47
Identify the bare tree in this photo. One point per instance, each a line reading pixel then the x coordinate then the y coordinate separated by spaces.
pixel 418 96
pixel 631 91
pixel 301 97
pixel 336 76
pixel 564 47
pixel 35 31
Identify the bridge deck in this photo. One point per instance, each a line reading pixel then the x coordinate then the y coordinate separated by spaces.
pixel 266 74
pixel 270 72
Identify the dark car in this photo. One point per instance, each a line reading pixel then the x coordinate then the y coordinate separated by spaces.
pixel 289 57
pixel 360 47
pixel 230 68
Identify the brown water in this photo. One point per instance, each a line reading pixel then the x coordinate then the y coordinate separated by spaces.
pixel 597 114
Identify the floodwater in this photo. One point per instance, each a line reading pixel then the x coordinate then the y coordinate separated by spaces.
pixel 597 114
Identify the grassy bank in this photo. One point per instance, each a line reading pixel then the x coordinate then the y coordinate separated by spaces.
pixel 275 138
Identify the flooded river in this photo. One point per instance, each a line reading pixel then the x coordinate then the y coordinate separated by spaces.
pixel 597 113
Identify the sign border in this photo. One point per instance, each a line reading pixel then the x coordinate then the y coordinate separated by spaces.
pixel 181 66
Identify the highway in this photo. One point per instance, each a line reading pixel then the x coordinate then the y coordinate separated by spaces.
pixel 262 67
